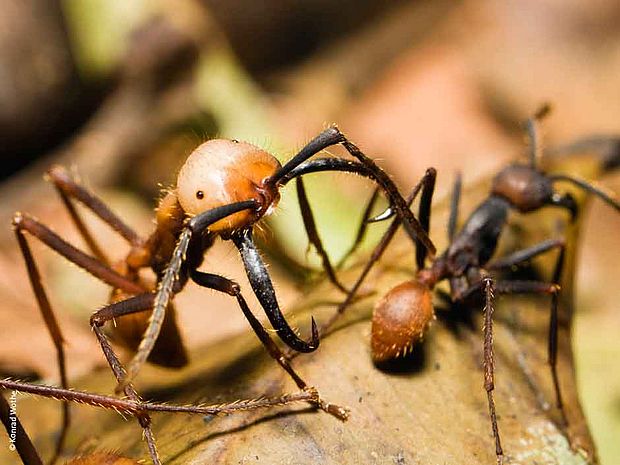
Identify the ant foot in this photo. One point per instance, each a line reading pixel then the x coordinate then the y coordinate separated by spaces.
pixel 342 413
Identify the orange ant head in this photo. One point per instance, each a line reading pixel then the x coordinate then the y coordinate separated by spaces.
pixel 220 172
pixel 400 320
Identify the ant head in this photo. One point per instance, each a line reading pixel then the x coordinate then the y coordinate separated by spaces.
pixel 220 172
pixel 524 187
pixel 400 320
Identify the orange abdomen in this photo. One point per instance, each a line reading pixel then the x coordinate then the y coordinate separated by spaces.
pixel 400 320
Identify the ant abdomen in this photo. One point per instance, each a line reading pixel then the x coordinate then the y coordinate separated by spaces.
pixel 400 320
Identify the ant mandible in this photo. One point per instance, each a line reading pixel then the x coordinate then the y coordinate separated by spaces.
pixel 224 188
pixel 401 318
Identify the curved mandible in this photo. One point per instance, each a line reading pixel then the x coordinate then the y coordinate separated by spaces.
pixel 266 295
pixel 194 226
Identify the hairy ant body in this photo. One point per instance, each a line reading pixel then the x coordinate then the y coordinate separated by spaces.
pixel 401 318
pixel 224 188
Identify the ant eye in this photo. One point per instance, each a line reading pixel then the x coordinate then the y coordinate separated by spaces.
pixel 236 141
pixel 200 195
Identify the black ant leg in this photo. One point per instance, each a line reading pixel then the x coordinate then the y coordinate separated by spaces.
pixel 227 286
pixel 553 332
pixel 535 287
pixel 333 136
pixel 427 183
pixel 313 234
pixel 455 200
pixel 489 364
pixel 424 213
pixel 263 288
pixel 521 256
pixel 23 445
pixel 412 226
pixel 363 227
pixel 119 373
pixel 376 254
pixel 68 189
pixel 516 287
pixel 195 226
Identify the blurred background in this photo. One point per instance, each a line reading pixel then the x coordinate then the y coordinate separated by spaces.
pixel 121 92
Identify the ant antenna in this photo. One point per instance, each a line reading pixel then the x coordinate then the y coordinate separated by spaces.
pixel 606 197
pixel 532 125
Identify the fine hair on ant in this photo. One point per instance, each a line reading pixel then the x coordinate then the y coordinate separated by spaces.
pixel 224 188
pixel 401 318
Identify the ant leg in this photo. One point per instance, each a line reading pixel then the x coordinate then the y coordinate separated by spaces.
pixel 132 407
pixel 263 289
pixel 424 213
pixel 53 329
pixel 489 364
pixel 197 225
pixel 376 253
pixel 169 350
pixel 346 166
pixel 523 255
pixel 337 164
pixel 363 227
pixel 23 223
pixel 553 333
pixel 69 188
pixel 413 227
pixel 333 136
pixel 537 287
pixel 22 443
pixel 119 373
pixel 313 234
pixel 144 302
pixel 515 287
pixel 455 199
pixel 227 286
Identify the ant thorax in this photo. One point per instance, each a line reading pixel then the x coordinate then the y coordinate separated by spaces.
pixel 221 172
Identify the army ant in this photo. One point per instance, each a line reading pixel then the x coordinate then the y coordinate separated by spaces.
pixel 401 318
pixel 224 188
